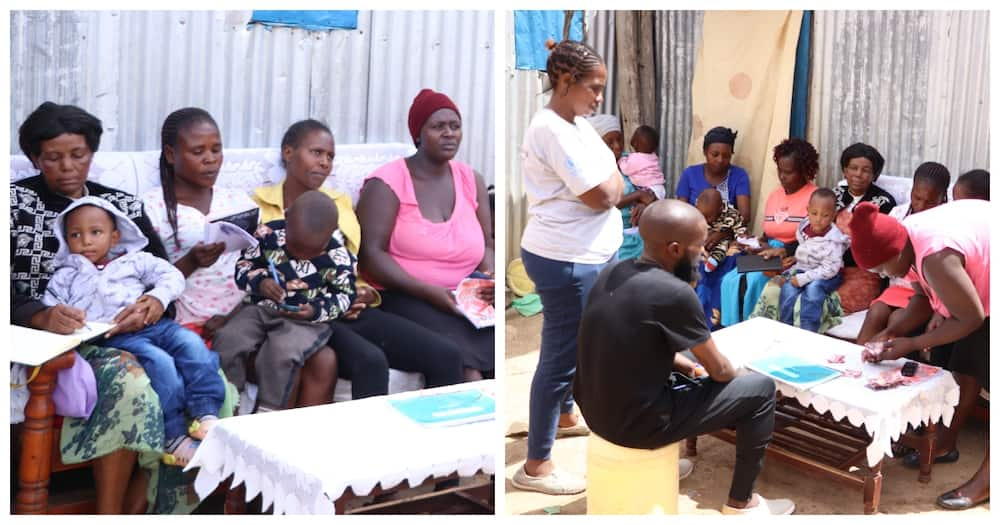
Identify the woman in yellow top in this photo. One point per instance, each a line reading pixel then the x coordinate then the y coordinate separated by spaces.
pixel 367 341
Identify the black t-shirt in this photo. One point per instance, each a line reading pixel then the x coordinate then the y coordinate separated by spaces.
pixel 637 317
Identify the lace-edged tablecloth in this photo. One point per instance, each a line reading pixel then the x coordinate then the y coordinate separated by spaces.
pixel 303 460
pixel 885 414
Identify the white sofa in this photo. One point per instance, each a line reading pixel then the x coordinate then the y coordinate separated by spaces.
pixel 246 169
pixel 899 188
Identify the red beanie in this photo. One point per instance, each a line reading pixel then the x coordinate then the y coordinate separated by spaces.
pixel 875 237
pixel 424 105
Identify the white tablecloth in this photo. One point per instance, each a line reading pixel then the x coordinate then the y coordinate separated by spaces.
pixel 302 460
pixel 885 414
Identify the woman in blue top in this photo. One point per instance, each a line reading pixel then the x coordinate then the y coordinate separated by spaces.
pixel 732 181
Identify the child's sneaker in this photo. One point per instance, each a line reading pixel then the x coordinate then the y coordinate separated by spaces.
pixel 711 264
pixel 180 451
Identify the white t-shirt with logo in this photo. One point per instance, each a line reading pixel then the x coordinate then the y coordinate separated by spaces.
pixel 559 162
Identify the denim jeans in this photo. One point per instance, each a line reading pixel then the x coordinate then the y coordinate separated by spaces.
pixel 563 288
pixel 183 371
pixel 813 295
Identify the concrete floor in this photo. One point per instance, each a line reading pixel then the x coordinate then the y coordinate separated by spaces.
pixel 704 492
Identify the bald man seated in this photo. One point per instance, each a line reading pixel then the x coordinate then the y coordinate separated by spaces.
pixel 640 315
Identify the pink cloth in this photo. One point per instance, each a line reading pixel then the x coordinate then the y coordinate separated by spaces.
pixel 963 226
pixel 643 169
pixel 442 253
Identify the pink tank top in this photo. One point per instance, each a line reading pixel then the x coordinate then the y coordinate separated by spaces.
pixel 442 253
pixel 962 226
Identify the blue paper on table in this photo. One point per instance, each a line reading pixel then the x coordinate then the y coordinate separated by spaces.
pixel 794 370
pixel 447 409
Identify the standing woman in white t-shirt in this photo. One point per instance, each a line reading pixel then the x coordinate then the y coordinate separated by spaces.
pixel 574 229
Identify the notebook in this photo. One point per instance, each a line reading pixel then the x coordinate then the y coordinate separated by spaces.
pixel 794 370
pixel 756 263
pixel 447 409
pixel 34 347
pixel 480 313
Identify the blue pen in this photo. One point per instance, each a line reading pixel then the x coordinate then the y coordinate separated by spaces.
pixel 274 272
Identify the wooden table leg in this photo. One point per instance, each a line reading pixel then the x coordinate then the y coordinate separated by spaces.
pixel 236 500
pixel 691 446
pixel 873 488
pixel 928 443
pixel 35 466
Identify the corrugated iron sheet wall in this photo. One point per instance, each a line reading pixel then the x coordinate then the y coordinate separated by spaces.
pixel 600 28
pixel 914 84
pixel 677 35
pixel 132 68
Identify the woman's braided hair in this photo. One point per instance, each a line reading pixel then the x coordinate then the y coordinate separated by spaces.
pixel 176 122
pixel 570 56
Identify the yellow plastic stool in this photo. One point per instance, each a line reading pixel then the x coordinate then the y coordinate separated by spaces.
pixel 631 481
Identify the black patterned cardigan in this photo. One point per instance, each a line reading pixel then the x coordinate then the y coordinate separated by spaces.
pixel 33 245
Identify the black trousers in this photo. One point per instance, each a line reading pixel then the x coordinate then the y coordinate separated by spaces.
pixel 476 344
pixel 377 340
pixel 746 403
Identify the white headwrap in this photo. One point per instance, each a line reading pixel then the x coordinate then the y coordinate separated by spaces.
pixel 604 123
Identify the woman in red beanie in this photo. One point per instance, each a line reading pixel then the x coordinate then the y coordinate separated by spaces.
pixel 948 249
pixel 426 223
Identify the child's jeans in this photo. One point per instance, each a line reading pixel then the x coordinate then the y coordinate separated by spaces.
pixel 811 305
pixel 184 373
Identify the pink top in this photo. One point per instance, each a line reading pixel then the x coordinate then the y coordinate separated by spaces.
pixel 783 212
pixel 643 169
pixel 438 253
pixel 963 226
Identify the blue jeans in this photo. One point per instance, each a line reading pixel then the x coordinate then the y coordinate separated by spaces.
pixel 183 371
pixel 811 306
pixel 563 288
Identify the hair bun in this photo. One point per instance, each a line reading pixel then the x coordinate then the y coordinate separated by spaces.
pixel 550 44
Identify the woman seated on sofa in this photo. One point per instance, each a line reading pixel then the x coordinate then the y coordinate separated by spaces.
pixel 368 340
pixel 426 220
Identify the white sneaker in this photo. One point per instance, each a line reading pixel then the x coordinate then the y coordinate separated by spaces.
pixel 763 507
pixel 684 468
pixel 557 483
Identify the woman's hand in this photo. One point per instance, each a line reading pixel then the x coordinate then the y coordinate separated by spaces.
pixel 441 298
pixel 788 262
pixel 136 316
pixel 272 290
pixel 487 293
pixel 646 197
pixel 768 253
pixel 713 239
pixel 365 297
pixel 59 319
pixel 897 347
pixel 636 213
pixel 205 255
pixel 843 221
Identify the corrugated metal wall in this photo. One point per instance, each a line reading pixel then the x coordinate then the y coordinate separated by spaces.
pixel 678 36
pixel 132 68
pixel 914 84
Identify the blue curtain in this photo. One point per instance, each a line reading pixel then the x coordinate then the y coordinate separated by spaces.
pixel 312 20
pixel 533 28
pixel 800 83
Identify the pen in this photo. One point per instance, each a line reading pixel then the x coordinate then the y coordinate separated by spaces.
pixel 274 272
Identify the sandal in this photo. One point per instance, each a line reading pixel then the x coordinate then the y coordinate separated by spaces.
pixel 199 427
pixel 180 451
pixel 912 460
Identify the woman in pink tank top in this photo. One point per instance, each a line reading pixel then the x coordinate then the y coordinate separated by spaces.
pixel 948 248
pixel 426 223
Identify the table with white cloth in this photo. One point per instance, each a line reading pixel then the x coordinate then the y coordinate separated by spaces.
pixel 304 460
pixel 841 428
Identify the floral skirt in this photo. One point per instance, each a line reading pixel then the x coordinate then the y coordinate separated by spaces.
pixel 127 415
pixel 768 305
